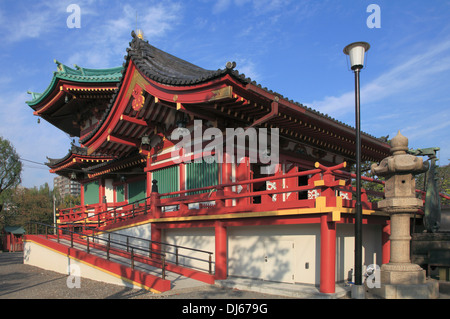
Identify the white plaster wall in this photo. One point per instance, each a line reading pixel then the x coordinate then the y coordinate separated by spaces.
pixel 291 250
pixel 45 258
pixel 141 231
pixel 197 238
pixel 109 190
pixel 248 246
pixel 345 248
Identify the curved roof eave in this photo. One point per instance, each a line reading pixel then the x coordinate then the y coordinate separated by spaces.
pixel 167 69
pixel 80 75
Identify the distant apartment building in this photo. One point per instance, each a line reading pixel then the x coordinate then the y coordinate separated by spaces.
pixel 66 186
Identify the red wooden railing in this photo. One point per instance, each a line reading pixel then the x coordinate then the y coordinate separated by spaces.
pixel 218 199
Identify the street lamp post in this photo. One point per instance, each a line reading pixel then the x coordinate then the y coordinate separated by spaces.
pixel 356 52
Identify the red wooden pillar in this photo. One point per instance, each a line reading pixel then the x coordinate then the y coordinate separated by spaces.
pixel 149 186
pixel 227 172
pixel 327 255
pixel 82 195
pixel 8 242
pixel 243 174
pixel 386 243
pixel 102 194
pixel 149 181
pixel 156 239
pixel 221 241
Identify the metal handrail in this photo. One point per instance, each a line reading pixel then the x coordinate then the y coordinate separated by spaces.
pixel 108 244
pixel 177 247
pixel 149 241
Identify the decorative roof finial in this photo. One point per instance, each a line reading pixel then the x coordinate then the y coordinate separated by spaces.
pixel 230 65
pixel 140 34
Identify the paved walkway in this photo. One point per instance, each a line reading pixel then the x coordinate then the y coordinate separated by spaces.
pixel 20 281
pixel 250 286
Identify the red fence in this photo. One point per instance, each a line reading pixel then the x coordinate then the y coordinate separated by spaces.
pixel 12 242
pixel 282 191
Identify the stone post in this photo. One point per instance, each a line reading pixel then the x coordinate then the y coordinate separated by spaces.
pixel 400 279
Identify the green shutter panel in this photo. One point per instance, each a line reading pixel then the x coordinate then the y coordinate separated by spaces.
pixel 137 191
pixel 200 175
pixel 91 191
pixel 120 193
pixel 168 179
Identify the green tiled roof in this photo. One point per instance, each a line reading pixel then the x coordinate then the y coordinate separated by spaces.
pixel 78 74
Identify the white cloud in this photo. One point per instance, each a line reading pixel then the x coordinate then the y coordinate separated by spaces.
pixel 221 5
pixel 37 19
pixel 111 37
pixel 249 69
pixel 31 140
pixel 407 97
pixel 414 73
pixel 259 6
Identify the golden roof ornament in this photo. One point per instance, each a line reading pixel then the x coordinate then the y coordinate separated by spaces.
pixel 140 34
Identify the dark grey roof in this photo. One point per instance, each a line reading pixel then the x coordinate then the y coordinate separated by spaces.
pixel 165 68
pixel 76 150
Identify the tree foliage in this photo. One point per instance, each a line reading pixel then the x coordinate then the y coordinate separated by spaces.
pixel 29 204
pixel 23 205
pixel 10 168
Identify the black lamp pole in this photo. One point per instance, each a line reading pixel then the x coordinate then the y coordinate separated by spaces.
pixel 358 208
pixel 356 51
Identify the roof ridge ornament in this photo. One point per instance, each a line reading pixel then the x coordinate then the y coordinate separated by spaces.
pixel 230 65
pixel 79 68
pixel 60 67
pixel 140 34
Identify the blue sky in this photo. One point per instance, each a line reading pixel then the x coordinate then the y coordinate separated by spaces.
pixel 293 47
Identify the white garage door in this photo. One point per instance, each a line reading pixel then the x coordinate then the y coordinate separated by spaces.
pixel 279 260
pixel 284 253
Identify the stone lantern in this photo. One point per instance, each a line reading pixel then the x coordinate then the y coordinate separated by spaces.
pixel 400 278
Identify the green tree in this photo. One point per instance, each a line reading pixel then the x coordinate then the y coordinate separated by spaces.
pixel 10 173
pixel 30 204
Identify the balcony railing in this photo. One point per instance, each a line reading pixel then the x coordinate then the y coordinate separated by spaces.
pixel 281 192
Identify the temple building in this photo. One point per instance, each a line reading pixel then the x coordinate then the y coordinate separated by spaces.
pixel 289 220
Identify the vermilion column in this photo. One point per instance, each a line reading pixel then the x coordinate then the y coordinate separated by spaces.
pixel 221 251
pixel 156 239
pixel 82 195
pixel 227 172
pixel 101 194
pixel 327 255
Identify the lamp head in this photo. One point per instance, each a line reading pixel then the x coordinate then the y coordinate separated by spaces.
pixel 356 52
pixel 145 140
